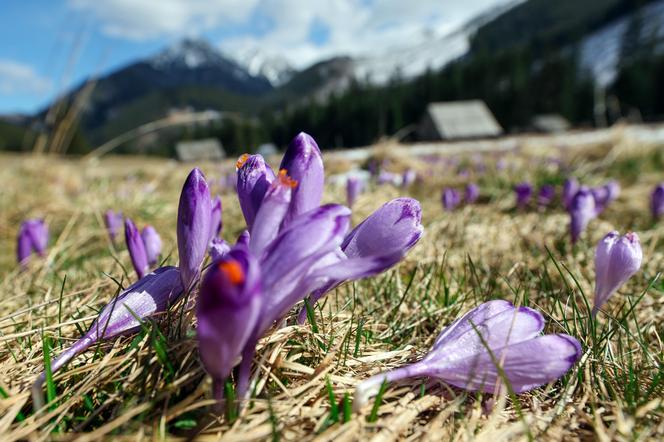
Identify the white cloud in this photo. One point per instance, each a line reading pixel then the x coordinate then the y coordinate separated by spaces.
pixel 355 26
pixel 149 19
pixel 18 78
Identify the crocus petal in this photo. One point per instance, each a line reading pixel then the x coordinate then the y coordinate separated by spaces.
pixel 299 246
pixel 303 163
pixel 148 296
pixel 546 194
pixel 254 177
pixel 193 226
pixel 152 243
pixel 38 231
pixel 353 189
pixel 523 193
pixel 272 211
pixel 472 193
pixel 616 260
pixel 136 248
pixel 526 365
pixel 450 199
pixel 243 239
pixel 218 248
pixel 215 218
pixel 227 310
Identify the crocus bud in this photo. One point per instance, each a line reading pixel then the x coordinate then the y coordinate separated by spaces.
pixel 523 193
pixel 227 310
pixel 136 248
pixel 570 187
pixel 193 227
pixel 215 218
pixel 353 189
pixel 113 222
pixel 546 195
pixel 24 245
pixel 408 178
pixel 581 211
pixel 304 164
pixel 657 201
pixel 39 234
pixel 253 179
pixel 451 199
pixel 149 296
pixel 472 193
pixel 152 243
pixel 617 258
pixel 492 344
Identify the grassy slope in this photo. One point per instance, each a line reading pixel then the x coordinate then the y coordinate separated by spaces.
pixel 152 384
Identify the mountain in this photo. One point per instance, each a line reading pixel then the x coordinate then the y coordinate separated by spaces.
pixel 190 73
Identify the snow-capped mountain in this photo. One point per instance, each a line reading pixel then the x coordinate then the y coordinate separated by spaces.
pixel 600 52
pixel 277 69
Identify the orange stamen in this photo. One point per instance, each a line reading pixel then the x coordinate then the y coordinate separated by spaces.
pixel 242 160
pixel 233 271
pixel 284 179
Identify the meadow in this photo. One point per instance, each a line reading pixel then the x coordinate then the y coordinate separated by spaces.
pixel 151 385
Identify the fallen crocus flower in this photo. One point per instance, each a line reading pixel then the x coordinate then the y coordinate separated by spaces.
pixel 113 222
pixel 657 201
pixel 136 248
pixel 353 190
pixel 546 195
pixel 152 242
pixel 617 258
pixel 523 193
pixel 228 308
pixel 148 296
pixel 570 187
pixel 493 344
pixel 32 237
pixel 215 218
pixel 581 211
pixel 472 193
pixel 450 199
pixel 193 226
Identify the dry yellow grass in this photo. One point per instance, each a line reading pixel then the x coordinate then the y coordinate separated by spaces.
pixel 122 390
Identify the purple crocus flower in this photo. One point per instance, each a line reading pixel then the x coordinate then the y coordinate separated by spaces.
pixel 303 163
pixel 113 222
pixel 385 177
pixel 408 178
pixel 472 193
pixel 228 308
pixel 451 199
pixel 546 195
pixel 253 179
pixel 523 193
pixel 617 258
pixel 215 218
pixel 353 189
pixel 149 296
pixel 152 243
pixel 604 195
pixel 582 211
pixel 657 201
pixel 570 187
pixel 136 248
pixel 467 352
pixel 193 226
pixel 32 237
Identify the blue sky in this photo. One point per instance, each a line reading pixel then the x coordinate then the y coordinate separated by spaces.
pixel 48 46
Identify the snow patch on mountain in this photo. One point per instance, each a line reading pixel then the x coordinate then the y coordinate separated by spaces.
pixel 276 69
